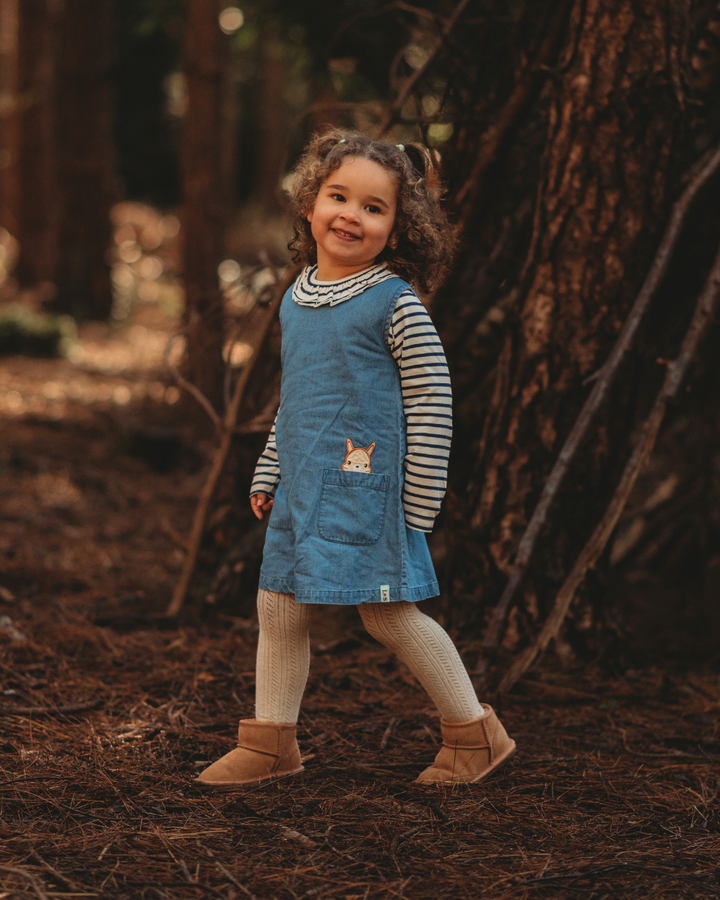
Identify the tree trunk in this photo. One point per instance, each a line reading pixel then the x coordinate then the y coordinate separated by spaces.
pixel 271 122
pixel 37 214
pixel 206 199
pixel 9 187
pixel 613 116
pixel 86 160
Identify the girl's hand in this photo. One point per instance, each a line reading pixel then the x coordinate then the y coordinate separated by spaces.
pixel 261 503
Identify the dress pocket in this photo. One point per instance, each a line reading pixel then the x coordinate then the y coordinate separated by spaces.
pixel 279 515
pixel 352 507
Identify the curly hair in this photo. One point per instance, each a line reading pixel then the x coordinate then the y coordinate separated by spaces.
pixel 424 239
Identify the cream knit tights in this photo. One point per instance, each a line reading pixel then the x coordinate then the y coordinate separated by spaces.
pixel 426 649
pixel 283 658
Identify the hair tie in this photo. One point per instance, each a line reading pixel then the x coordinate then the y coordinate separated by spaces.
pixel 401 147
pixel 342 141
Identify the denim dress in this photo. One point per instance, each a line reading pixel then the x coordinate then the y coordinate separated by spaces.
pixel 337 531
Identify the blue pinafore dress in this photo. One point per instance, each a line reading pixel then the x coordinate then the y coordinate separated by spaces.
pixel 337 530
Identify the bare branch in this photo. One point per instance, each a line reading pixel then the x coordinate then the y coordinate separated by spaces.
pixel 392 114
pixel 591 552
pixel 227 378
pixel 255 426
pixel 189 387
pixel 269 264
pixel 492 139
pixel 228 428
pixel 596 397
pixel 373 106
pixel 348 23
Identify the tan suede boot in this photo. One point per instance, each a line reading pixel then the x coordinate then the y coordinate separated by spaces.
pixel 471 751
pixel 265 750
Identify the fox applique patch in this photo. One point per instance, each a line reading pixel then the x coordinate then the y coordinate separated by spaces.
pixel 357 459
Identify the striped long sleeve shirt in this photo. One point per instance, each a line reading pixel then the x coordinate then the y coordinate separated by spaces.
pixel 426 396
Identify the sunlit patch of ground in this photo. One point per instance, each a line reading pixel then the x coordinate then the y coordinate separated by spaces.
pixel 73 497
pixel 103 371
pixel 100 465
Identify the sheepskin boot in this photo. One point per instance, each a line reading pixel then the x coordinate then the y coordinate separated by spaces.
pixel 265 750
pixel 471 751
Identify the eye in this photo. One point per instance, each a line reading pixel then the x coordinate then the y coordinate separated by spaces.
pixel 338 197
pixel 373 209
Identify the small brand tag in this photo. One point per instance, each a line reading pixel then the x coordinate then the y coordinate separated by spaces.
pixel 384 593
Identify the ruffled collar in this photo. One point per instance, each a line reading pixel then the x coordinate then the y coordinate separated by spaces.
pixel 308 291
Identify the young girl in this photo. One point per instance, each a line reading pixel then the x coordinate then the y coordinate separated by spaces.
pixel 355 467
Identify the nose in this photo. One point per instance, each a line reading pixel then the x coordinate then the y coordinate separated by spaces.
pixel 350 213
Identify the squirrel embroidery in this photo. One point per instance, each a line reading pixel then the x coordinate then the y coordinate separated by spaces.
pixel 357 459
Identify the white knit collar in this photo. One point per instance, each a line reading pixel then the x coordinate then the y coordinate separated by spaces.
pixel 308 291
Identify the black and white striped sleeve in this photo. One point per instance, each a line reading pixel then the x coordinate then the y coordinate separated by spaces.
pixel 267 471
pixel 427 403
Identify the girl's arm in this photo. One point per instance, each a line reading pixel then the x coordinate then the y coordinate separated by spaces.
pixel 427 403
pixel 267 471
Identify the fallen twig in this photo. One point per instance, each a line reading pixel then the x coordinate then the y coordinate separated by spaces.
pixel 291 835
pixel 66 882
pixel 50 710
pixel 596 397
pixel 591 551
pixel 227 430
pixel 231 878
pixel 14 870
pixel 676 754
pixel 592 872
pixel 392 724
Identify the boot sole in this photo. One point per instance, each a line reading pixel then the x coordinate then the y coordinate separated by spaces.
pixel 229 786
pixel 483 776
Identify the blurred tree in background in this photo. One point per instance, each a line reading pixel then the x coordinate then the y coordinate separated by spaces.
pixel 9 120
pixel 87 184
pixel 149 100
pixel 37 215
pixel 59 177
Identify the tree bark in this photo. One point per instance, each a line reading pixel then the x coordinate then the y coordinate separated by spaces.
pixel 205 211
pixel 270 122
pixel 613 117
pixel 9 185
pixel 86 162
pixel 37 215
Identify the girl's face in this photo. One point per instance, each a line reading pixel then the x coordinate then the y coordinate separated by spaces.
pixel 353 217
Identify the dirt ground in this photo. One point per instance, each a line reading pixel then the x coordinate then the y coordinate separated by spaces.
pixel 108 711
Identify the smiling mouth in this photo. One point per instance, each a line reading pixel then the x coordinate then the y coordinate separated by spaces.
pixel 345 235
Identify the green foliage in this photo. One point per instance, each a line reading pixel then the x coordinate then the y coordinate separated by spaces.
pixel 152 16
pixel 27 333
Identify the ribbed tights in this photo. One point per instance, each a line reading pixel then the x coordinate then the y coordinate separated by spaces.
pixel 426 649
pixel 283 658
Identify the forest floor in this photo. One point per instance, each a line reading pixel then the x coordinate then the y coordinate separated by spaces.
pixel 108 710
